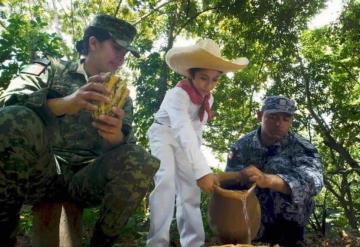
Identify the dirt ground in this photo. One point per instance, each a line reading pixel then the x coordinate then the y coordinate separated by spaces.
pixel 343 240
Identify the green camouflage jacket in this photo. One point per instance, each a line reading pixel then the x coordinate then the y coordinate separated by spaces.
pixel 74 139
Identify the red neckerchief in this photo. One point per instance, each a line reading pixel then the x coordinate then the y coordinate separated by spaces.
pixel 197 99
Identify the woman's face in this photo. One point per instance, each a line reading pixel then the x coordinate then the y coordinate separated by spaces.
pixel 205 80
pixel 107 55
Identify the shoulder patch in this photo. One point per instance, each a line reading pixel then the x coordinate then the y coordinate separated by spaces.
pixel 44 61
pixel 230 155
pixel 34 69
pixel 305 143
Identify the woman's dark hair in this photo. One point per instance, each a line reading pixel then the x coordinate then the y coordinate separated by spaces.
pixel 100 34
pixel 193 71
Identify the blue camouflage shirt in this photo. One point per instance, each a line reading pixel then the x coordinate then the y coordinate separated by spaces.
pixel 293 159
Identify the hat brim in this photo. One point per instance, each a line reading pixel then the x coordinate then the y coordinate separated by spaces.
pixel 126 46
pixel 278 111
pixel 133 51
pixel 182 59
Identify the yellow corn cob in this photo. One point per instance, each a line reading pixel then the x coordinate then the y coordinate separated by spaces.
pixel 121 94
pixel 118 95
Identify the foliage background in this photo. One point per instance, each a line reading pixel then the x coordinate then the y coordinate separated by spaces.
pixel 317 67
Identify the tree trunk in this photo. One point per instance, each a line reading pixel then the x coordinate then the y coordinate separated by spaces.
pixel 164 74
pixel 349 205
pixel 329 140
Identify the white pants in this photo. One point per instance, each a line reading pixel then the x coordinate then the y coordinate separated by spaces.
pixel 174 179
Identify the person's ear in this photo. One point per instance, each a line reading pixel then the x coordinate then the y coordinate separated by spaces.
pixel 93 43
pixel 291 120
pixel 259 115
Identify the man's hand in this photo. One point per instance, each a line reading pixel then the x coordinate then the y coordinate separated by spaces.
pixel 207 182
pixel 253 174
pixel 86 97
pixel 109 127
pixel 264 180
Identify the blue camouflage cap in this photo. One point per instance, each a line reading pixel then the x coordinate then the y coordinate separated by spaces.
pixel 120 31
pixel 273 104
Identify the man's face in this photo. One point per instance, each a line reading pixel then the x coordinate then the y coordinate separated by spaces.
pixel 108 55
pixel 274 126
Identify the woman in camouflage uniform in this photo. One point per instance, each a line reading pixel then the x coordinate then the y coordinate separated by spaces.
pixel 52 149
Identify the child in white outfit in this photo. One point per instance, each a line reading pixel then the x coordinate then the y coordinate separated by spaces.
pixel 175 138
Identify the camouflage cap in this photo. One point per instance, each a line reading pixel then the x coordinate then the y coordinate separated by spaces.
pixel 121 31
pixel 273 104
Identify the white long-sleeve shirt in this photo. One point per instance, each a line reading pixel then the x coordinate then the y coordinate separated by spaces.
pixel 181 115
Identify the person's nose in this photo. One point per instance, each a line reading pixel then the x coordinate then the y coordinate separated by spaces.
pixel 278 122
pixel 120 55
pixel 120 58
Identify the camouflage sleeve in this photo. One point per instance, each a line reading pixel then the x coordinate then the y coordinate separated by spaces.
pixel 236 159
pixel 305 178
pixel 127 121
pixel 30 88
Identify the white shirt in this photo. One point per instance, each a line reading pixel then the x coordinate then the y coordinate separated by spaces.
pixel 181 115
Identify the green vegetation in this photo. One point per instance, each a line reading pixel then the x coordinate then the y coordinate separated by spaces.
pixel 320 68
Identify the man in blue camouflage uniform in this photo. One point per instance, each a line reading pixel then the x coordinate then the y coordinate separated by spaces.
pixel 286 169
pixel 52 149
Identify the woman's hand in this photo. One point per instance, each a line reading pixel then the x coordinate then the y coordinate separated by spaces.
pixel 109 127
pixel 207 182
pixel 87 97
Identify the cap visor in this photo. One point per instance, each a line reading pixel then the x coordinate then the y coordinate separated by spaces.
pixel 133 51
pixel 278 111
pixel 127 47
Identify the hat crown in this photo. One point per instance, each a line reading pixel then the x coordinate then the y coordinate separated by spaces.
pixel 210 46
pixel 118 29
pixel 275 104
pixel 121 31
pixel 205 54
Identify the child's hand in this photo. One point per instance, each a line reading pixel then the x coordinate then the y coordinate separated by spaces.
pixel 207 182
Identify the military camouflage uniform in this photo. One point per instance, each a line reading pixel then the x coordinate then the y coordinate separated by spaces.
pixel 295 160
pixel 44 157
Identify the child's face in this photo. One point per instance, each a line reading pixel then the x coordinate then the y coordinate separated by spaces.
pixel 205 80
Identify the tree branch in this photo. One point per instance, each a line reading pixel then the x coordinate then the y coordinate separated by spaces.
pixel 72 18
pixel 151 12
pixel 353 77
pixel 191 19
pixel 2 24
pixel 63 8
pixel 164 73
pixel 330 187
pixel 100 5
pixel 31 14
pixel 328 140
pixel 117 8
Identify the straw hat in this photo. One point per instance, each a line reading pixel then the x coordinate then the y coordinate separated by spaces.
pixel 204 54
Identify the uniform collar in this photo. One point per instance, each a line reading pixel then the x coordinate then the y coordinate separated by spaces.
pixel 78 68
pixel 197 98
pixel 81 70
pixel 257 143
